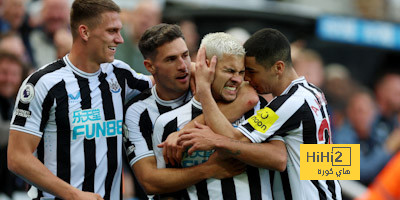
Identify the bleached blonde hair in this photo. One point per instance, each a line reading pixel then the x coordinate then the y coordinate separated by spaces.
pixel 221 43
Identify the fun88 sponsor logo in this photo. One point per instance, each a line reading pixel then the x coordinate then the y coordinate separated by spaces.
pixel 196 158
pixel 88 123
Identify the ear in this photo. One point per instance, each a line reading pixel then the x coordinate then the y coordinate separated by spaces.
pixel 279 67
pixel 149 66
pixel 84 32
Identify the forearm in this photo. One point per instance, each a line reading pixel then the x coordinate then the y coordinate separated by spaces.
pixel 166 180
pixel 271 155
pixel 32 170
pixel 22 162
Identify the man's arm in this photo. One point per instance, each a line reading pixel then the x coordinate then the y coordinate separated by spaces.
pixel 271 155
pixel 22 162
pixel 166 180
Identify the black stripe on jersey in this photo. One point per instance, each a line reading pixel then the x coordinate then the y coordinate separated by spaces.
pixel 228 188
pixel 318 100
pixel 331 188
pixel 263 102
pixel 46 106
pixel 321 193
pixel 279 101
pixel 202 192
pixel 121 183
pixel 196 112
pixel 309 127
pixel 88 145
pixel 33 80
pixel 171 127
pixel 146 128
pixel 133 82
pixel 249 113
pixel 63 131
pixel 109 114
pixel 248 127
pixel 253 176
pixel 271 181
pixel 313 86
pixel 286 184
pixel 294 121
pixel 201 187
pixel 47 103
pixel 40 150
pixel 119 74
pixel 163 109
pixel 40 155
pixel 142 96
pixel 108 105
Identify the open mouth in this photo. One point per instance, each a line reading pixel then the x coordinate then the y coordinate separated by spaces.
pixel 183 76
pixel 113 48
pixel 230 88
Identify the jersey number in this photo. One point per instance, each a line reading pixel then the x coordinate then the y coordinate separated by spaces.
pixel 324 130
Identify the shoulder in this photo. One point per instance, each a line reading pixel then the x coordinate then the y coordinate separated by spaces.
pixel 141 100
pixel 120 64
pixel 47 75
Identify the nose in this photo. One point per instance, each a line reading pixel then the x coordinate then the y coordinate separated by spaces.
pixel 181 64
pixel 237 78
pixel 119 39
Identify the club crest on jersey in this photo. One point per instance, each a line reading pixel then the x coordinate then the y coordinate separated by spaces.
pixel 114 86
pixel 27 93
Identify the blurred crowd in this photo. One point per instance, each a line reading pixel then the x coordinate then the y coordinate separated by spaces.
pixel 31 38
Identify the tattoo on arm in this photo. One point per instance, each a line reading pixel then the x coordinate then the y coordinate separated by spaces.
pixel 232 153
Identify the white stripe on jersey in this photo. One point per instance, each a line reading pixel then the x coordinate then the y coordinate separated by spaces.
pixel 135 120
pixel 177 119
pixel 301 109
pixel 67 111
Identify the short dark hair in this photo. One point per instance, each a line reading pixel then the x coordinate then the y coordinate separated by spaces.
pixel 89 12
pixel 268 46
pixel 157 36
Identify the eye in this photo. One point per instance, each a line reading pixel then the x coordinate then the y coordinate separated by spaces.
pixel 170 59
pixel 113 30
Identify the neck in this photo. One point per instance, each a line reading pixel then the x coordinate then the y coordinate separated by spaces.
pixel 285 80
pixel 79 58
pixel 167 95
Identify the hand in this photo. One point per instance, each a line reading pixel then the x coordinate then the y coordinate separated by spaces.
pixel 172 152
pixel 224 167
pixel 192 83
pixel 204 70
pixel 199 138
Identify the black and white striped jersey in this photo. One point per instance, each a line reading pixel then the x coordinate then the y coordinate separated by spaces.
pixel 300 116
pixel 255 183
pixel 141 114
pixel 79 118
